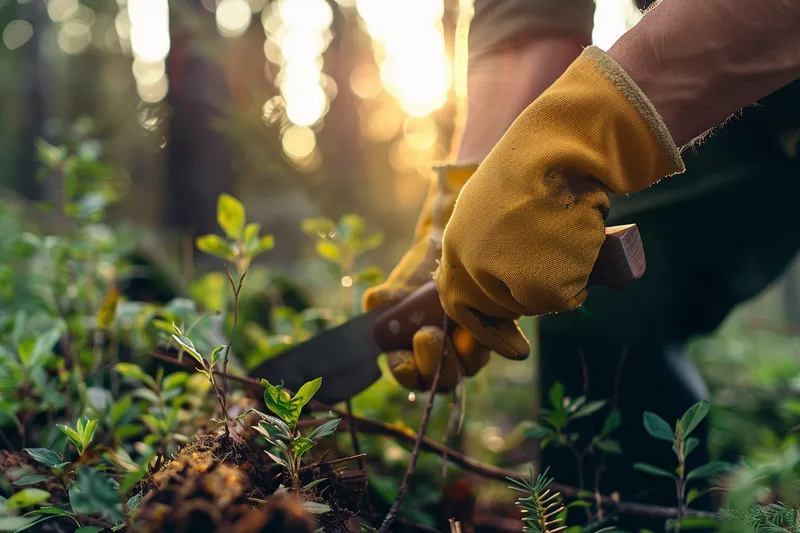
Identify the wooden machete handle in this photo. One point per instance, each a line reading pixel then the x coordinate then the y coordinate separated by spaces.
pixel 620 262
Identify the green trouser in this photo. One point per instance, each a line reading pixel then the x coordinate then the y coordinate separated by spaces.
pixel 713 237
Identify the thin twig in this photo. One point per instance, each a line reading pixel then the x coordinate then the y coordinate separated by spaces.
pixel 368 425
pixel 623 357
pixel 357 450
pixel 334 461
pixel 584 372
pixel 412 465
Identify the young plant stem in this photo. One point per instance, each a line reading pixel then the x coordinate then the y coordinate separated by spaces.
pixel 412 465
pixel 680 483
pixel 579 456
pixel 236 290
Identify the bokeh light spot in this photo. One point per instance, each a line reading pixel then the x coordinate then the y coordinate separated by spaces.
pixel 153 92
pixel 17 33
pixel 233 17
pixel 298 142
pixel 60 10
pixel 365 81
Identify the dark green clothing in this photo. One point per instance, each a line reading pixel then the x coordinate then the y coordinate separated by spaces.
pixel 713 238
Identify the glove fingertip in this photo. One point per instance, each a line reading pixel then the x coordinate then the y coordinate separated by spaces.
pixel 500 335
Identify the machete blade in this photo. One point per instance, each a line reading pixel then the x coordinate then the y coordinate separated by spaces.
pixel 345 357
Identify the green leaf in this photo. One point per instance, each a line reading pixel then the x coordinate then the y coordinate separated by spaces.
pixel 321 227
pixel 49 511
pixel 73 436
pixel 611 423
pixel 280 425
pixel 32 479
pixel 708 470
pixel 301 445
pixel 20 319
pixel 108 310
pixel 328 250
pixel 175 380
pixel 215 245
pixel 27 498
pixel 188 346
pixel 88 432
pixel 230 216
pixel 135 372
pixel 251 234
pixel 306 392
pixel 589 408
pixel 89 529
pixel 578 503
pixel 650 469
pixel 557 394
pixel 609 446
pixel 313 484
pixel 80 425
pixel 133 502
pixel 693 495
pixel 264 244
pixel 216 355
pixel 94 492
pixel 277 459
pixel 44 347
pixel 352 228
pixel 657 427
pixel 278 401
pixel 371 242
pixel 370 276
pixel 325 430
pixel 689 446
pixel 535 431
pixel 44 456
pixel 316 508
pixel 693 416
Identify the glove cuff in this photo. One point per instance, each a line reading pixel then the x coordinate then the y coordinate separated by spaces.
pixel 614 73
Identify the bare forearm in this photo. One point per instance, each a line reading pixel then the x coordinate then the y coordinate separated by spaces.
pixel 699 62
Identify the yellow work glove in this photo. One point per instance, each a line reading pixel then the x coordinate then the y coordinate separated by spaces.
pixel 415 370
pixel 529 224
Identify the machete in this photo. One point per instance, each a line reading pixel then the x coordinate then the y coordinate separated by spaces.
pixel 346 357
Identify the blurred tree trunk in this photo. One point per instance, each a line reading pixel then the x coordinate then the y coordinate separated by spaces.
pixel 199 156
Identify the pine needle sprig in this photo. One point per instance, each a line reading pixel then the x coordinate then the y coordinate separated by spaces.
pixel 772 518
pixel 542 507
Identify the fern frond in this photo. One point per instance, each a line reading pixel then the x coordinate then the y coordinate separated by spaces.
pixel 542 506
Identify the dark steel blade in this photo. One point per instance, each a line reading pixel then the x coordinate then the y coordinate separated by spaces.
pixel 345 357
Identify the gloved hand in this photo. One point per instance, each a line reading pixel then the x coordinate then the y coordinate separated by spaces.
pixel 529 224
pixel 415 370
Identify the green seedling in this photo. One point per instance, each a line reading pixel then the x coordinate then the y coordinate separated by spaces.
pixel 83 434
pixel 342 244
pixel 682 446
pixel 243 244
pixel 289 445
